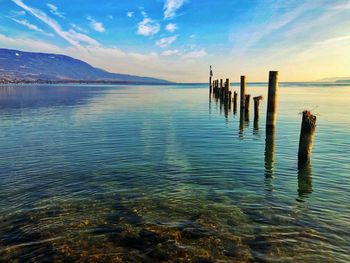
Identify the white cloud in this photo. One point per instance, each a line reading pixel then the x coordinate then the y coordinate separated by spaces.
pixel 130 14
pixel 18 13
pixel 167 53
pixel 195 54
pixel 76 27
pixel 171 27
pixel 29 25
pixel 70 36
pixel 54 10
pixel 79 37
pixel 147 27
pixel 171 6
pixel 27 44
pixel 144 14
pixel 166 41
pixel 97 26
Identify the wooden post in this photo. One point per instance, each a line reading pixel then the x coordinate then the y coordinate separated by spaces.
pixel 243 90
pixel 234 102
pixel 227 86
pixel 256 106
pixel 247 109
pixel 256 113
pixel 247 103
pixel 308 128
pixel 272 99
pixel 210 85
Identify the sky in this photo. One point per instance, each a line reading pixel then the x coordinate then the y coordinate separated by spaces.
pixel 177 40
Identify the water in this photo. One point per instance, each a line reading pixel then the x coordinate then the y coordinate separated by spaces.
pixel 147 174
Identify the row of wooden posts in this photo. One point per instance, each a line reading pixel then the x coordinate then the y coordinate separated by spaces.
pixel 222 91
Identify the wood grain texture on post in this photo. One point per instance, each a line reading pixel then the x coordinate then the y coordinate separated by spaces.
pixel 272 99
pixel 308 128
pixel 243 90
pixel 227 88
pixel 256 106
pixel 210 85
pixel 247 103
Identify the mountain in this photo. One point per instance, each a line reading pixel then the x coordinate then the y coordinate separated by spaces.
pixel 342 79
pixel 19 66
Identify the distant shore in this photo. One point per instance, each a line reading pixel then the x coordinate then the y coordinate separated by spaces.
pixel 112 82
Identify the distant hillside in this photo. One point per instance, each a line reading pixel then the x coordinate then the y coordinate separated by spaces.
pixel 342 79
pixel 18 66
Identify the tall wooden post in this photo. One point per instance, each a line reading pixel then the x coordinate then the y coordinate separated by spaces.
pixel 256 113
pixel 210 85
pixel 247 103
pixel 243 90
pixel 272 99
pixel 234 102
pixel 308 127
pixel 247 109
pixel 227 87
pixel 256 106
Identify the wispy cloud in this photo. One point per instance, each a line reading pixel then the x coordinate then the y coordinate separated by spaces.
pixel 148 27
pixel 70 36
pixel 171 52
pixel 171 6
pixel 166 41
pixel 171 27
pixel 18 13
pixel 195 54
pixel 76 27
pixel 97 26
pixel 29 25
pixel 54 10
pixel 130 14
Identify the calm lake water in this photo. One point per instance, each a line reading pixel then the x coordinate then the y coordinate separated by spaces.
pixel 165 173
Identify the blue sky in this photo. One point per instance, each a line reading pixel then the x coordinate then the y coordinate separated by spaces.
pixel 179 39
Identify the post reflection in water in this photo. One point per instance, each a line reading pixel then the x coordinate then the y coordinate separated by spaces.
pixel 241 123
pixel 247 117
pixel 210 105
pixel 256 125
pixel 235 107
pixel 269 156
pixel 225 105
pixel 304 180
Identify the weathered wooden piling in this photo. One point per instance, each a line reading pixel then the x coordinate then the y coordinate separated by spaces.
pixel 307 133
pixel 247 103
pixel 210 85
pixel 247 109
pixel 257 106
pixel 227 89
pixel 272 99
pixel 256 113
pixel 234 102
pixel 210 82
pixel 243 90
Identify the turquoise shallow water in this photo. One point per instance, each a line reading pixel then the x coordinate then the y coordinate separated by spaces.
pixel 165 173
